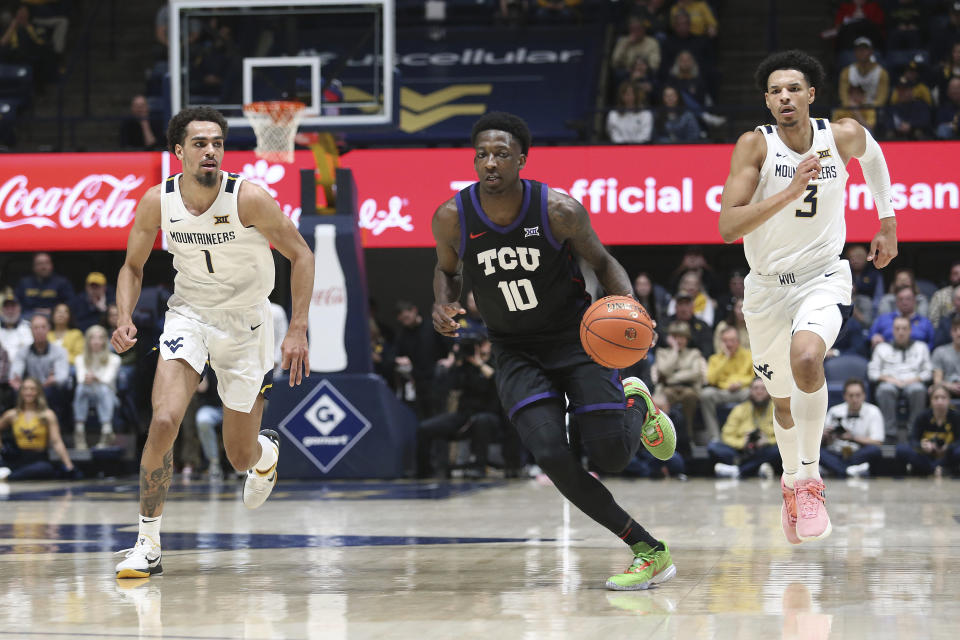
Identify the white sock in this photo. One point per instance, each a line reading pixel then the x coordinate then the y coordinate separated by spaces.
pixel 79 428
pixel 809 413
pixel 268 454
pixel 789 451
pixel 106 427
pixel 150 527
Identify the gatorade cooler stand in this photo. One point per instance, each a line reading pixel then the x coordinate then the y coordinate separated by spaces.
pixel 343 421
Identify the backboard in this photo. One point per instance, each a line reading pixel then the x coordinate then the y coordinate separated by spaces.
pixel 336 56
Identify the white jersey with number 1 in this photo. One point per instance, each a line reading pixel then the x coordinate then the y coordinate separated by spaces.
pixel 220 263
pixel 811 230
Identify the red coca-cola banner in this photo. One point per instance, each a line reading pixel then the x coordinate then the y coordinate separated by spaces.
pixel 644 195
pixel 635 195
pixel 71 201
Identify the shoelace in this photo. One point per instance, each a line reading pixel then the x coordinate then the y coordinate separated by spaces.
pixel 129 552
pixel 641 561
pixel 787 497
pixel 809 498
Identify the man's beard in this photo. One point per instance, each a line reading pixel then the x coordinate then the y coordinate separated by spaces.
pixel 207 179
pixel 760 404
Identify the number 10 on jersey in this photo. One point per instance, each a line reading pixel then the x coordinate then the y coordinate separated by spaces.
pixel 518 294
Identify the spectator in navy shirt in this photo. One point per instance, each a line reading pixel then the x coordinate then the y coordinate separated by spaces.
pixel 90 307
pixel 944 329
pixel 673 122
pixel 41 291
pixel 933 441
pixel 920 327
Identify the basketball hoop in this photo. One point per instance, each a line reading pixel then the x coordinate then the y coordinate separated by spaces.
pixel 275 124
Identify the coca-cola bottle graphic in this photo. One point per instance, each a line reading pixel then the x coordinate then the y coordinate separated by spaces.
pixel 328 305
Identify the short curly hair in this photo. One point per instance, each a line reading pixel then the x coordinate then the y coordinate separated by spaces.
pixel 803 62
pixel 177 129
pixel 503 121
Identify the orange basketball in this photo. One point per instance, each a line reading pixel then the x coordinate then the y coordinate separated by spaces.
pixel 616 331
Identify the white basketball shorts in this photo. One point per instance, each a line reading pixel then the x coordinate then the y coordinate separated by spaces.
pixel 238 343
pixel 777 306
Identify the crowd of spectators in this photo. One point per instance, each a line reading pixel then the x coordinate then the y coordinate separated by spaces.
pixel 663 69
pixel 899 67
pixel 896 67
pixel 33 40
pixel 54 342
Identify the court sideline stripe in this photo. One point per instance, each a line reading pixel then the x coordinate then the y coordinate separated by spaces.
pixel 75 634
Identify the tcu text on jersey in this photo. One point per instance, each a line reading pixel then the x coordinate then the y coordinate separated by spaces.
pixel 509 258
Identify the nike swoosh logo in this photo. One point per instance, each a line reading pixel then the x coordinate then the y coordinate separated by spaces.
pixel 780 155
pixel 816 323
pixel 177 220
pixel 827 275
pixel 474 236
pixel 255 328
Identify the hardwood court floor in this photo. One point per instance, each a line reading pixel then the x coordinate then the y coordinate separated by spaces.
pixel 492 560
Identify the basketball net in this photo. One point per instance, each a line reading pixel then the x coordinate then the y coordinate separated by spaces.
pixel 275 124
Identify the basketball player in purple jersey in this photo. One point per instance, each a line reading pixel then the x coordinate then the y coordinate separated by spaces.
pixel 518 242
pixel 785 198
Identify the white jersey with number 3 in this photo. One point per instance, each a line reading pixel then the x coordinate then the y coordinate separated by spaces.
pixel 811 230
pixel 220 263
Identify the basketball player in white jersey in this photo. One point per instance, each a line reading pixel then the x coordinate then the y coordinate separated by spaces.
pixel 219 229
pixel 785 197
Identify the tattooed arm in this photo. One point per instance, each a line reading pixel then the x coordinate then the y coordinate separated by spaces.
pixel 570 221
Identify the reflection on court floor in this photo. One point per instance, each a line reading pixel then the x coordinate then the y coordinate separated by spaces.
pixel 507 559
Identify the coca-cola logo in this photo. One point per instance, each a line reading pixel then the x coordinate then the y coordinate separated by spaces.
pixel 330 296
pixel 378 220
pixel 97 200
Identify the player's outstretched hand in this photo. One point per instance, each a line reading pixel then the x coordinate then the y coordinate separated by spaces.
pixel 807 170
pixel 124 337
pixel 443 314
pixel 295 353
pixel 883 247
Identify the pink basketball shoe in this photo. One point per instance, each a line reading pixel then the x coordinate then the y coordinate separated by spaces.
pixel 788 514
pixel 813 523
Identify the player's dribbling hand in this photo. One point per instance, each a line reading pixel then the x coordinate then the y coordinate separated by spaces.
pixel 124 337
pixel 295 353
pixel 807 170
pixel 443 314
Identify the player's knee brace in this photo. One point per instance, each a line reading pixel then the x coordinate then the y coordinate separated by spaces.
pixel 606 439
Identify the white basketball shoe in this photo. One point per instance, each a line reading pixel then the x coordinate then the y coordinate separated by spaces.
pixel 142 561
pixel 260 482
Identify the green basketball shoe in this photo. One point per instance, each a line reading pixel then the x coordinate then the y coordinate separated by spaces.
pixel 658 434
pixel 649 568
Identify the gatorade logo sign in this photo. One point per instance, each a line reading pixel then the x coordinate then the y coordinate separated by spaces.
pixel 325 426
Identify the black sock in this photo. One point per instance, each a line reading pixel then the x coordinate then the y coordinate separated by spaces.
pixel 634 417
pixel 634 533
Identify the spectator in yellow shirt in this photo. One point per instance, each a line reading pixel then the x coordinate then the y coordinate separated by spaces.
pixel 729 373
pixel 702 20
pixel 64 333
pixel 747 438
